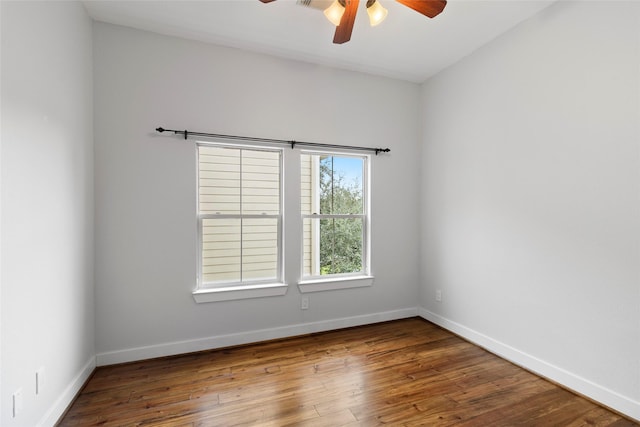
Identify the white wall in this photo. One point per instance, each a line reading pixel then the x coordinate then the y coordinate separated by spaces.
pixel 47 206
pixel 531 197
pixel 146 187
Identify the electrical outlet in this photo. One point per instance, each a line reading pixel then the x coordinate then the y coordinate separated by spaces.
pixel 40 380
pixel 17 402
pixel 438 295
pixel 304 303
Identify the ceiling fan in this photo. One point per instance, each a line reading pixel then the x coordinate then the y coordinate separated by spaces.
pixel 343 13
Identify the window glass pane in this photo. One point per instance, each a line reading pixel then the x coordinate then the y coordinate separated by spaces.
pixel 219 180
pixel 340 185
pixel 339 243
pixel 308 184
pixel 260 182
pixel 230 176
pixel 239 200
pixel 310 254
pixel 235 250
pixel 221 250
pixel 259 249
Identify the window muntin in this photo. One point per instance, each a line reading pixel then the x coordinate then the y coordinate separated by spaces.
pixel 334 214
pixel 239 215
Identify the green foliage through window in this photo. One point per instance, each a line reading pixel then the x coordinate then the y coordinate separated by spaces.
pixel 337 214
pixel 340 193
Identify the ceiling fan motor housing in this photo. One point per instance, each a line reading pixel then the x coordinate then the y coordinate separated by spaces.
pixel 315 4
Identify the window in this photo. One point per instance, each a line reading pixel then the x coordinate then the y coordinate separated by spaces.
pixel 239 219
pixel 335 211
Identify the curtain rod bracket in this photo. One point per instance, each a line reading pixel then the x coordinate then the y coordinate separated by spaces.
pixel 293 144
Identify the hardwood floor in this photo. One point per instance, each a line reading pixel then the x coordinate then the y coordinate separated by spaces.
pixel 403 373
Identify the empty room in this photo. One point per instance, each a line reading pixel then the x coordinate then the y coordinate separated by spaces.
pixel 321 213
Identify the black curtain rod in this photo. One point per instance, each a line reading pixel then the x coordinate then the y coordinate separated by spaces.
pixel 188 133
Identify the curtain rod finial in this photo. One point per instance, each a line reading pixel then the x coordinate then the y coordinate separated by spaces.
pixel 159 130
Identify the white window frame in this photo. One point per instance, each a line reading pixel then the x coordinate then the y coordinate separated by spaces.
pixel 212 292
pixel 363 278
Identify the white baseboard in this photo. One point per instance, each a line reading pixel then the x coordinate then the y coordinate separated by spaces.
pixel 66 398
pixel 583 386
pixel 181 347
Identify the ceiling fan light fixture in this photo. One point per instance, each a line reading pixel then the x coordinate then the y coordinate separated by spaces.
pixel 376 12
pixel 334 12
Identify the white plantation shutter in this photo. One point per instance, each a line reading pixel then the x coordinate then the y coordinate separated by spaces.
pixel 239 215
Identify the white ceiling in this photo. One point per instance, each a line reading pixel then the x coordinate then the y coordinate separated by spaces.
pixel 405 46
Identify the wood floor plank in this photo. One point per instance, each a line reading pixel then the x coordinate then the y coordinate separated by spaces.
pixel 403 373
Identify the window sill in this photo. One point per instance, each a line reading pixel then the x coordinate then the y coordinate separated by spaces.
pixel 239 292
pixel 319 285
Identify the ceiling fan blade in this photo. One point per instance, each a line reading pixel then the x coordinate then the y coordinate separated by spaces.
pixel 343 31
pixel 428 8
